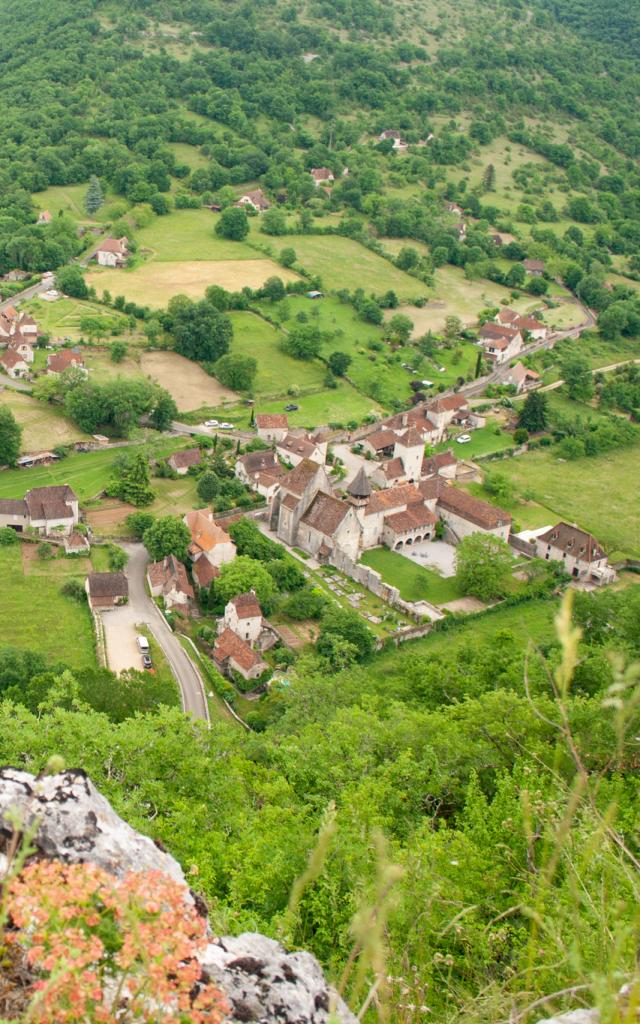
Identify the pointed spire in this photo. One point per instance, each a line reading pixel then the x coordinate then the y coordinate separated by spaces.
pixel 359 486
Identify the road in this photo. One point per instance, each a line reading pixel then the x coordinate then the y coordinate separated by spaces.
pixel 201 431
pixel 120 633
pixel 28 293
pixel 598 369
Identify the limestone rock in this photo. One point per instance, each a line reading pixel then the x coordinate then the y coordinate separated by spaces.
pixel 574 1017
pixel 75 823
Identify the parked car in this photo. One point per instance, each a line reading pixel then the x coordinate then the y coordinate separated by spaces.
pixel 211 423
pixel 143 644
pixel 463 439
pixel 427 383
pixel 291 408
pixel 146 661
pixel 225 426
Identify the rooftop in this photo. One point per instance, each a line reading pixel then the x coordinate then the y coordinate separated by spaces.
pixel 476 511
pixel 325 513
pixel 571 540
pixel 108 584
pixel 246 606
pixel 230 645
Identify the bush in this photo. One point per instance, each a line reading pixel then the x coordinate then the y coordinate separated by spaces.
pixel 521 436
pixel 75 590
pixel 45 550
pixel 8 536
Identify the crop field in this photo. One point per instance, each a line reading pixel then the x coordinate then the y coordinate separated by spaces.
pixel 44 426
pixel 601 493
pixel 36 616
pixel 61 319
pixel 344 263
pixel 154 283
pixel 186 381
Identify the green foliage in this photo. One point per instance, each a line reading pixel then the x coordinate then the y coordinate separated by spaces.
pixel 208 485
pixel 577 376
pixel 167 535
pixel 199 330
pixel 249 540
pixel 483 566
pixel 337 623
pixel 70 281
pixel 45 551
pixel 241 576
pixel 138 522
pixel 307 603
pixel 533 415
pixel 339 363
pixel 233 224
pixel 118 351
pixel 302 341
pixel 10 437
pixel 117 557
pixel 94 197
pixel 236 371
pixel 131 479
pixel 8 536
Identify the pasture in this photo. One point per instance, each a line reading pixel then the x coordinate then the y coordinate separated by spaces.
pixel 189 235
pixel 87 473
pixel 43 426
pixel 253 336
pixel 36 616
pixel 154 283
pixel 338 405
pixel 344 263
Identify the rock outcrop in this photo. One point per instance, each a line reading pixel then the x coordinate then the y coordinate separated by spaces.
pixel 74 823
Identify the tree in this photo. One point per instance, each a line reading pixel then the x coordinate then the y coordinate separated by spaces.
pixel 287 257
pixel 533 415
pixel 407 258
pixel 339 363
pixel 303 341
pixel 8 536
pixel 452 328
pixel 483 565
pixel 138 522
pixel 233 224
pixel 94 197
pixel 236 371
pixel 208 485
pixel 239 577
pixel 273 289
pixel 400 327
pixel 577 376
pixel 10 437
pixel 131 483
pixel 118 351
pixel 168 535
pixel 338 622
pixel 489 178
pixel 273 222
pixel 70 281
pixel 163 411
pixel 286 574
pixel 500 486
pixel 201 331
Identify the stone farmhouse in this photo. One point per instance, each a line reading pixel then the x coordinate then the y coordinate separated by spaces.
pixel 233 654
pixel 272 426
pixel 581 555
pixel 181 462
pixel 262 471
pixel 208 540
pixel 13 364
pixel 255 199
pixel 63 360
pixel 536 330
pixel 322 176
pixel 168 579
pixel 522 378
pixel 243 634
pixel 106 590
pixel 293 448
pixel 396 137
pixel 534 267
pixel 500 342
pixel 23 345
pixel 43 509
pixel 113 252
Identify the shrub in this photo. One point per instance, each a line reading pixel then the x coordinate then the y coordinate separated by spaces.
pixel 7 536
pixel 74 589
pixel 45 550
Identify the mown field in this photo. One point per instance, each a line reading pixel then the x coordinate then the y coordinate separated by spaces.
pixel 154 283
pixel 87 473
pixel 35 615
pixel 189 235
pixel 415 582
pixel 344 263
pixel 44 426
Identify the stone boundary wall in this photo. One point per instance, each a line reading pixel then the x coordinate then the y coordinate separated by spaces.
pixel 372 581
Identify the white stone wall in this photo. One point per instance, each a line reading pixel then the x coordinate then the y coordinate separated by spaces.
pixel 464 528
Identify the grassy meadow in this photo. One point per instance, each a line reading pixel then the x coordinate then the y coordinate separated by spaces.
pixel 344 263
pixel 36 615
pixel 415 582
pixel 43 426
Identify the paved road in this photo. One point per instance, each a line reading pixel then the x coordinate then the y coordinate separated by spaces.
pixel 28 293
pixel 201 431
pixel 120 633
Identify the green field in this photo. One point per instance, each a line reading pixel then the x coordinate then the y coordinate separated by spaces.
pixel 527 515
pixel 189 155
pixel 343 263
pixel 88 474
pixel 36 616
pixel 483 441
pixel 277 371
pixel 189 235
pixel 599 494
pixel 334 405
pixel 415 582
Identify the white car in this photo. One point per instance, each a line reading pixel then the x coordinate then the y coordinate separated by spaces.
pixel 427 383
pixel 211 423
pixel 225 426
pixel 463 439
pixel 442 369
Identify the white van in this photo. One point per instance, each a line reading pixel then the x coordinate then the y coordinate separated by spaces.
pixel 143 644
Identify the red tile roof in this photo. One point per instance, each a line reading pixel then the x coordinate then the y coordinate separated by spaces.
pixel 393 498
pixel 186 458
pixel 325 513
pixel 204 572
pixel 229 646
pixel 473 509
pixel 265 420
pixel 247 606
pixel 417 517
